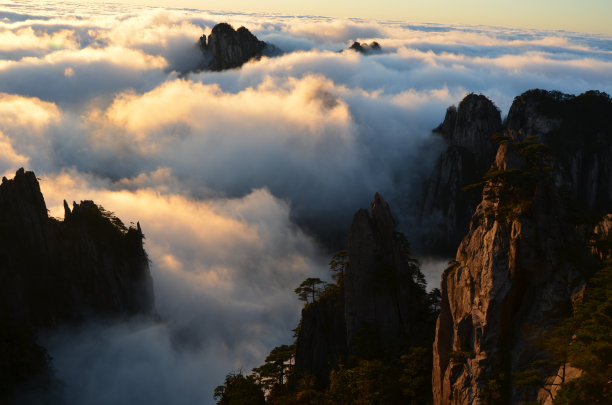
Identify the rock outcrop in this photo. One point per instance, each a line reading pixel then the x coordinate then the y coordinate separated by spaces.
pixel 321 340
pixel 382 298
pixel 373 47
pixel 579 131
pixel 446 209
pixel 527 254
pixel 226 48
pixel 55 272
pixel 379 308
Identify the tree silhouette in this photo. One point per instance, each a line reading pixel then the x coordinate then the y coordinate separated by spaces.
pixel 277 367
pixel 310 288
pixel 338 264
pixel 239 390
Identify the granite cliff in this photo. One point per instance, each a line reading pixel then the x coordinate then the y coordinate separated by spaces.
pixel 527 256
pixel 61 272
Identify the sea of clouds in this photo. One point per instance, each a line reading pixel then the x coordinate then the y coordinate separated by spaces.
pixel 240 179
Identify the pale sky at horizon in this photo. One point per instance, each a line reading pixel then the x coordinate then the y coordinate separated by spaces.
pixel 588 16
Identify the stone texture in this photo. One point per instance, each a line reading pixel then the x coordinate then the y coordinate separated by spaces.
pixel 516 276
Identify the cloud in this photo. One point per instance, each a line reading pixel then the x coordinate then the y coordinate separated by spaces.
pixel 224 271
pixel 242 180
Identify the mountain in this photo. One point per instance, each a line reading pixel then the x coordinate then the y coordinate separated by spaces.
pixel 524 314
pixel 446 209
pixel 227 48
pixel 373 47
pixel 61 272
pixel 378 309
pixel 522 268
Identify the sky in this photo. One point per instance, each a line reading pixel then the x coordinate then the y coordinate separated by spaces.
pixel 591 16
pixel 239 178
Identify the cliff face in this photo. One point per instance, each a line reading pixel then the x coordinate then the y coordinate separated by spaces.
pixel 445 208
pixel 379 309
pixel 57 272
pixel 321 340
pixel 526 256
pixel 227 48
pixel 382 299
pixel 579 130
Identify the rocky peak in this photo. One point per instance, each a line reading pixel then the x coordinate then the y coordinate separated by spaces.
pixel 475 121
pixel 381 296
pixel 446 209
pixel 523 262
pixel 227 48
pixel 56 272
pixel 365 48
pixel 579 132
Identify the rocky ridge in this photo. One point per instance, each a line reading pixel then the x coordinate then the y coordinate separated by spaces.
pixel 62 272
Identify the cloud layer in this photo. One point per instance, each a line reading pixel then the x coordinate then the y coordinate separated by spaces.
pixel 240 179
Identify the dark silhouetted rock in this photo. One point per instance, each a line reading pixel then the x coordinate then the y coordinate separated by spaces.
pixel 579 131
pixel 446 209
pixel 382 299
pixel 321 341
pixel 227 48
pixel 365 48
pixel 378 310
pixel 55 272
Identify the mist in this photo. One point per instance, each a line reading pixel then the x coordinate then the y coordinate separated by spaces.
pixel 243 181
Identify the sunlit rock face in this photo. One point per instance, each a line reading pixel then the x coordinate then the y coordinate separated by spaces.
pixel 55 272
pixel 526 256
pixel 227 48
pixel 446 209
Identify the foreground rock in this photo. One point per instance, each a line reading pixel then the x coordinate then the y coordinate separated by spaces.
pixel 527 255
pixel 382 296
pixel 226 48
pixel 56 272
pixel 378 309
